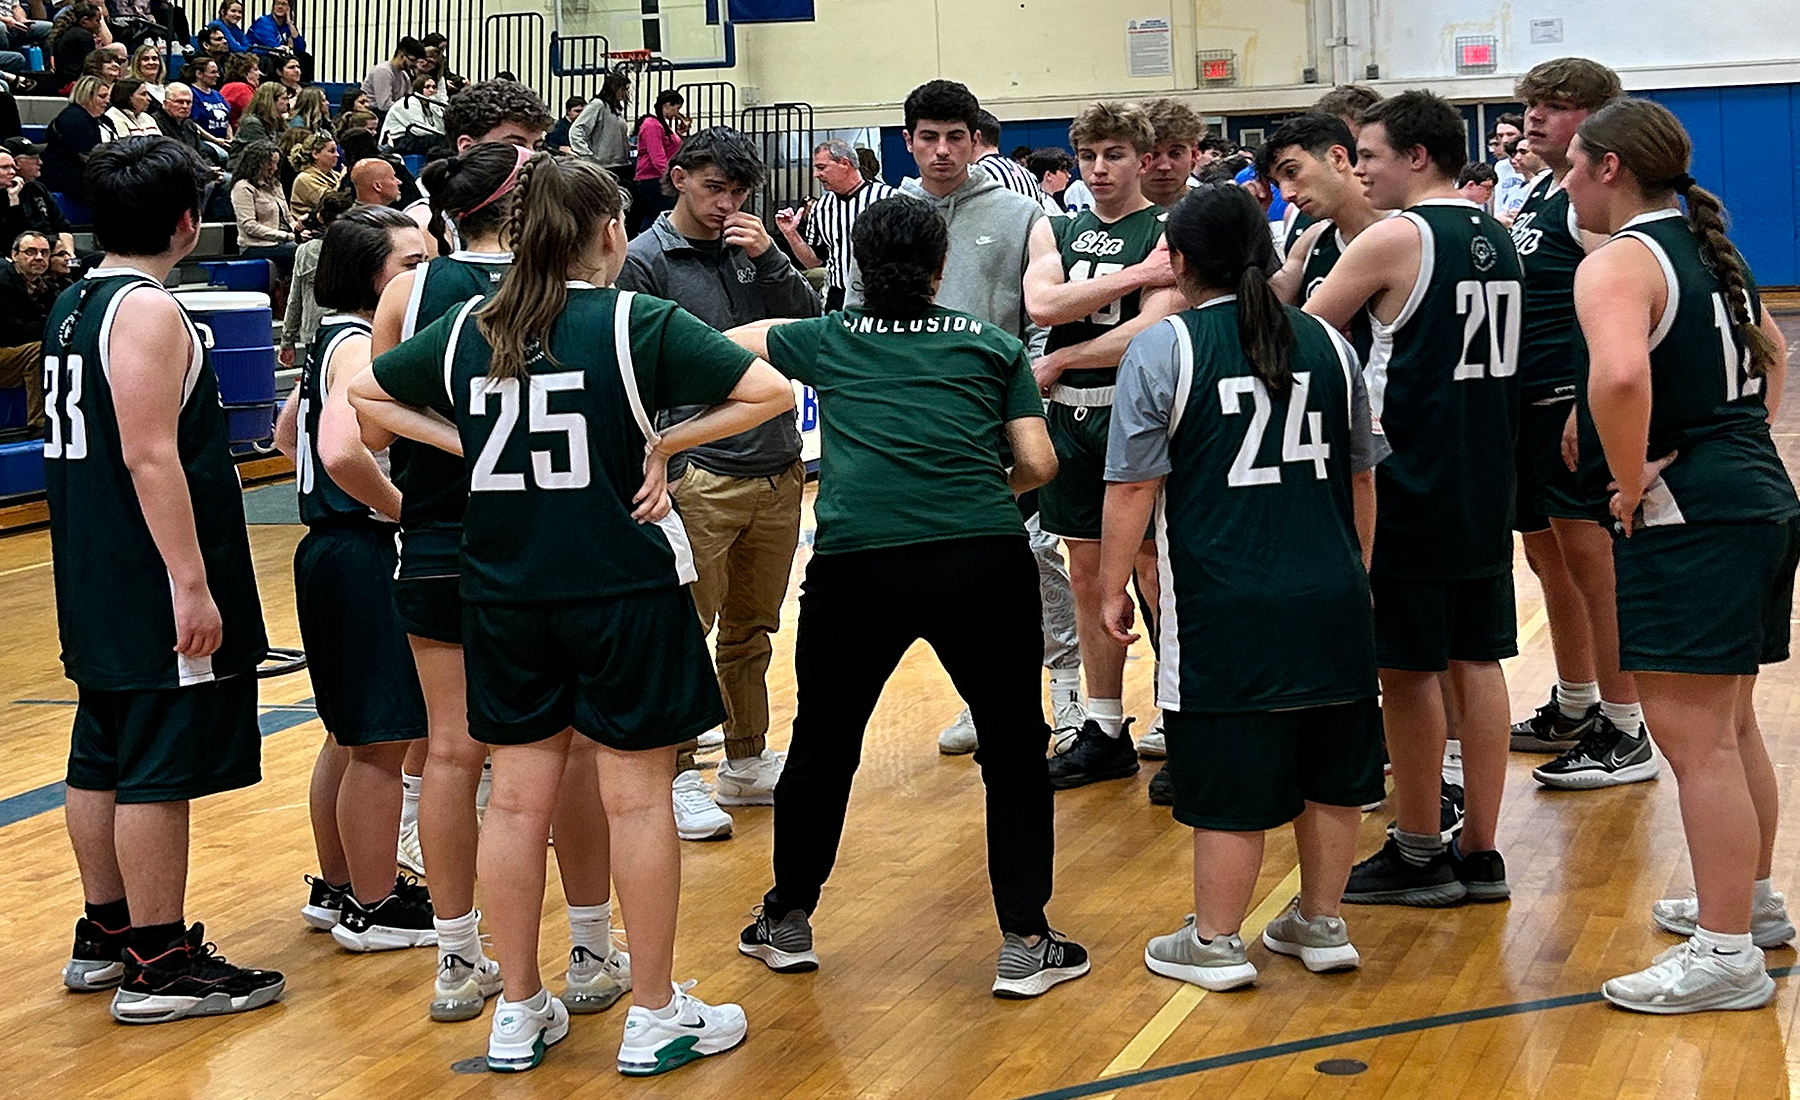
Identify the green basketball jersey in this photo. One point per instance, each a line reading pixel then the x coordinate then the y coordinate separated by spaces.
pixel 1443 382
pixel 432 484
pixel 1704 404
pixel 1550 250
pixel 553 464
pixel 322 502
pixel 1302 222
pixel 114 608
pixel 1092 248
pixel 1269 604
pixel 1320 259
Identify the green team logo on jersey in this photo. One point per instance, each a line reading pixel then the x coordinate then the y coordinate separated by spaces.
pixel 1482 254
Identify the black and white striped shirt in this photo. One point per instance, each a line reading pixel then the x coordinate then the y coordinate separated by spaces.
pixel 1010 175
pixel 827 228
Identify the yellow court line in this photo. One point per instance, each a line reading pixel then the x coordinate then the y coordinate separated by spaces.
pixel 23 569
pixel 1162 1025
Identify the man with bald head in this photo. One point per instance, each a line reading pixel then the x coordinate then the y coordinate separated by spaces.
pixel 375 182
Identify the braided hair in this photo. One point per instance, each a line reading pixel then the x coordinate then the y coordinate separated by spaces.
pixel 1224 243
pixel 1652 145
pixel 460 185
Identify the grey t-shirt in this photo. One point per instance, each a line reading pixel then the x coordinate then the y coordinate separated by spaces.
pixel 1138 447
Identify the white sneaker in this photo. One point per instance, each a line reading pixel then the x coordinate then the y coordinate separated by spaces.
pixel 595 983
pixel 520 1036
pixel 1689 978
pixel 749 782
pixel 711 741
pixel 652 1046
pixel 697 816
pixel 410 855
pixel 1066 710
pixel 1769 923
pixel 462 988
pixel 1453 769
pixel 1153 745
pixel 958 738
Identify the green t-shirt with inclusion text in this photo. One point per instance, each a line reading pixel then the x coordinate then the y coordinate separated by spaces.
pixel 909 412
pixel 553 465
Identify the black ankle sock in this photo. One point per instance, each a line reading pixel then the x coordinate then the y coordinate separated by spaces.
pixel 151 939
pixel 113 917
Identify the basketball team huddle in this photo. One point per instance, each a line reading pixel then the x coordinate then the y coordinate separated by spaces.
pixel 1299 462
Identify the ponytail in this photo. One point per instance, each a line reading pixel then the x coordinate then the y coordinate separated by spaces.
pixel 1225 245
pixel 1706 218
pixel 558 208
pixel 1264 331
pixel 472 189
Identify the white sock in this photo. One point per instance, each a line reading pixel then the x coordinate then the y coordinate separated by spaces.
pixel 1065 682
pixel 409 798
pixel 1110 713
pixel 590 926
pixel 1629 717
pixel 1764 893
pixel 670 1010
pixel 538 1002
pixel 1718 943
pixel 460 936
pixel 1575 700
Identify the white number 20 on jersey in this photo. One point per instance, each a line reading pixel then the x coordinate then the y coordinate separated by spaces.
pixel 65 430
pixel 1502 307
pixel 539 420
pixel 1300 423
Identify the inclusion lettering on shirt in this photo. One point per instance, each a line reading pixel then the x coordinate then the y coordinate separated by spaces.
pixel 883 326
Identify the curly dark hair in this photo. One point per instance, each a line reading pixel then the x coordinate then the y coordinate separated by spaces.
pixel 480 108
pixel 727 150
pixel 900 245
pixel 942 101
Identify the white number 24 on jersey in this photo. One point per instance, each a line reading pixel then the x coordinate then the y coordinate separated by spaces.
pixel 1302 436
pixel 539 420
pixel 65 428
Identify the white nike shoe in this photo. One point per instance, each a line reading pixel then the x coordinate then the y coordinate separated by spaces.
pixel 652 1046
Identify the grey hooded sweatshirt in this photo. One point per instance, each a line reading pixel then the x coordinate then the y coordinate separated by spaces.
pixel 990 247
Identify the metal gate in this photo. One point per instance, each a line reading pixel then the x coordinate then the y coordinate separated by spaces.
pixel 783 134
pixel 350 37
pixel 713 103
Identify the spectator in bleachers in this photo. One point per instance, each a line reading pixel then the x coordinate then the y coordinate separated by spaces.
pixel 415 123
pixel 41 211
pixel 558 140
pixel 317 159
pixel 375 182
pixel 135 22
pixel 242 78
pixel 19 30
pixel 1053 168
pixel 601 133
pixel 129 113
pixel 79 30
pixel 147 66
pixel 12 210
pixel 26 295
pixel 73 134
pixel 108 62
pixel 304 313
pixel 231 22
pixel 62 263
pixel 437 63
pixel 658 140
pixel 288 143
pixel 391 80
pixel 211 113
pixel 1476 182
pixel 265 225
pixel 354 99
pixel 355 121
pixel 286 72
pixel 274 35
pixel 356 146
pixel 265 117
pixel 211 42
pixel 175 118
pixel 310 111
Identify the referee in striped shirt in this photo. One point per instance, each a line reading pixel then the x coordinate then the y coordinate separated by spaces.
pixel 823 239
pixel 1007 172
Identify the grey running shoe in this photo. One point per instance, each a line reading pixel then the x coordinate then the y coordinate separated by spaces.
pixel 1218 966
pixel 1322 943
pixel 596 983
pixel 1603 758
pixel 784 945
pixel 1550 730
pixel 1689 978
pixel 1026 970
pixel 958 738
pixel 1769 923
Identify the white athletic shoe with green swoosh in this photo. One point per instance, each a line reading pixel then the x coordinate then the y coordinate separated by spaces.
pixel 696 1029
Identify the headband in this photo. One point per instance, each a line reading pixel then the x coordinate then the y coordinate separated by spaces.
pixel 506 185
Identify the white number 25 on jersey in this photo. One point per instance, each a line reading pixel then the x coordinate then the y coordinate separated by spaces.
pixel 539 420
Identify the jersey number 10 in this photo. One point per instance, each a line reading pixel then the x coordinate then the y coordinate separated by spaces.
pixel 539 419
pixel 65 434
pixel 1302 436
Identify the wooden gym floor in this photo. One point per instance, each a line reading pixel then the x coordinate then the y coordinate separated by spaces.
pixel 1482 1001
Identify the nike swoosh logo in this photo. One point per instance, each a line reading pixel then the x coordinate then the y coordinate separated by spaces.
pixel 984 240
pixel 696 1025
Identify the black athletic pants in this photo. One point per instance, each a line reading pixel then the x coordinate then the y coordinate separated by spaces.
pixel 976 602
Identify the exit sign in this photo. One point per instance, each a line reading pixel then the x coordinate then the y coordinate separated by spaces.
pixel 1218 66
pixel 1476 55
pixel 1217 70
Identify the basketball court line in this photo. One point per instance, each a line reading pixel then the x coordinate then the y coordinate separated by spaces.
pixel 23 568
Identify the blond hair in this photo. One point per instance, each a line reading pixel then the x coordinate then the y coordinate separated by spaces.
pixel 1124 122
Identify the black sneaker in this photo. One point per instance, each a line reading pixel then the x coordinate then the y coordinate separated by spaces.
pixel 1604 758
pixel 1450 812
pixel 1483 874
pixel 97 961
pixel 323 908
pixel 402 919
pixel 1093 756
pixel 1027 970
pixel 189 978
pixel 1162 787
pixel 1550 730
pixel 785 946
pixel 1386 878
